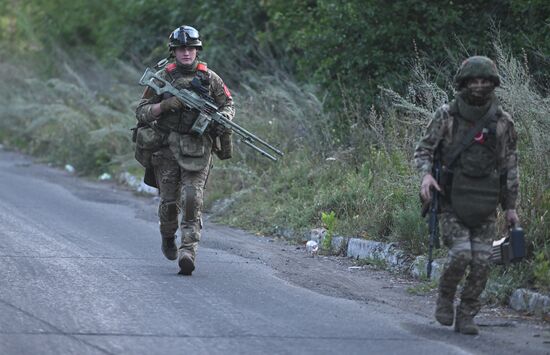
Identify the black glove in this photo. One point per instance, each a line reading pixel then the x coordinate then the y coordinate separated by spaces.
pixel 219 130
pixel 171 103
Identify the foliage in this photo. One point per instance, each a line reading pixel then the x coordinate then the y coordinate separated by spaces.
pixel 504 280
pixel 359 44
pixel 541 270
pixel 376 263
pixel 329 221
pixel 66 122
pixel 423 288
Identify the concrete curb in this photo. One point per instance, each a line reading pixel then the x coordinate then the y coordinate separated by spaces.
pixel 529 301
pixel 387 253
pixel 368 249
pixel 419 268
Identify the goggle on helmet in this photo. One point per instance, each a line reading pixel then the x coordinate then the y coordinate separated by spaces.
pixel 185 36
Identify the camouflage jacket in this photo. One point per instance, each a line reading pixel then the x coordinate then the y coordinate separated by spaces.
pixel 217 90
pixel 439 133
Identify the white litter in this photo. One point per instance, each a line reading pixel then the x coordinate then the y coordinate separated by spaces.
pixel 105 176
pixel 312 248
pixel 69 168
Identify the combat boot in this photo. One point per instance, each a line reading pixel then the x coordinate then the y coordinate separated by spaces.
pixel 444 311
pixel 169 248
pixel 186 262
pixel 465 324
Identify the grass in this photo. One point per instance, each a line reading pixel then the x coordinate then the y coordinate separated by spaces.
pixel 361 171
pixel 376 263
pixel 423 288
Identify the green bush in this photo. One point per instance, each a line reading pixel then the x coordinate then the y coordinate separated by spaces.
pixel 541 271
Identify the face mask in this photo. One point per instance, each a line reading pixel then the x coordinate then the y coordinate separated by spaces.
pixel 478 94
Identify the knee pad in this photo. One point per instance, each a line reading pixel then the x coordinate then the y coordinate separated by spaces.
pixel 192 202
pixel 168 211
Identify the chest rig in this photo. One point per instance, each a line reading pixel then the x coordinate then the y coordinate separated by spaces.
pixel 479 157
pixel 475 179
pixel 182 120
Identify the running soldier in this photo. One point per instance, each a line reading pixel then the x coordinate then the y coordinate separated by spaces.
pixel 176 161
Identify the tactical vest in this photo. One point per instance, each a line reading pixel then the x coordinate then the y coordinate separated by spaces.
pixel 475 186
pixel 182 121
pixel 192 152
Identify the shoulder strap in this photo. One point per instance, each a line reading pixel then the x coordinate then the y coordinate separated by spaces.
pixel 466 140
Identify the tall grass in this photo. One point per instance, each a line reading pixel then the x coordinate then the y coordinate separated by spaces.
pixel 81 117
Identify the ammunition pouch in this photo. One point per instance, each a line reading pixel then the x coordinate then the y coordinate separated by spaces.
pixel 474 199
pixel 192 152
pixel 223 146
pixel 148 140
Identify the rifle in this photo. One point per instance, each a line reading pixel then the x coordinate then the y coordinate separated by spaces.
pixel 208 113
pixel 432 220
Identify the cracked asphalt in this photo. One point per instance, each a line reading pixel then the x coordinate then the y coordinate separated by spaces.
pixel 82 273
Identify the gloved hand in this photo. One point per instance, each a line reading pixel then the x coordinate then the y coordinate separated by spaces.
pixel 219 130
pixel 171 103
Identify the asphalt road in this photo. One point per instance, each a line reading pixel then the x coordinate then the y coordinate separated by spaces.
pixel 81 272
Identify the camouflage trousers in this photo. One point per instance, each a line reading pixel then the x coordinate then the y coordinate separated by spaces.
pixel 180 191
pixel 467 247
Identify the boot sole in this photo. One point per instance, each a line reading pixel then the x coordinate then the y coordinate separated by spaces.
pixel 462 331
pixel 445 321
pixel 170 251
pixel 186 266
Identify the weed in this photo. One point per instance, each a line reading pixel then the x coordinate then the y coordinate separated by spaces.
pixel 503 280
pixel 379 264
pixel 329 221
pixel 541 271
pixel 423 288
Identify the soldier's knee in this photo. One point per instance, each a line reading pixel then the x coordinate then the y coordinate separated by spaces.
pixel 461 259
pixel 168 210
pixel 481 263
pixel 192 202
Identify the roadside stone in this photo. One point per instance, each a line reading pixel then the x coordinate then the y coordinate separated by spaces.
pixel 419 267
pixel 284 232
pixel 530 301
pixel 339 245
pixel 368 249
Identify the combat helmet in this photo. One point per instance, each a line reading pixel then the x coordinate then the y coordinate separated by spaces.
pixel 476 67
pixel 185 36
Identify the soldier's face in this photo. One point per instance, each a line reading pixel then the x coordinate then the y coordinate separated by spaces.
pixel 480 87
pixel 185 55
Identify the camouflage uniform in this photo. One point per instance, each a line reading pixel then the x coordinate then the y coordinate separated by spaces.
pixel 469 243
pixel 182 162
